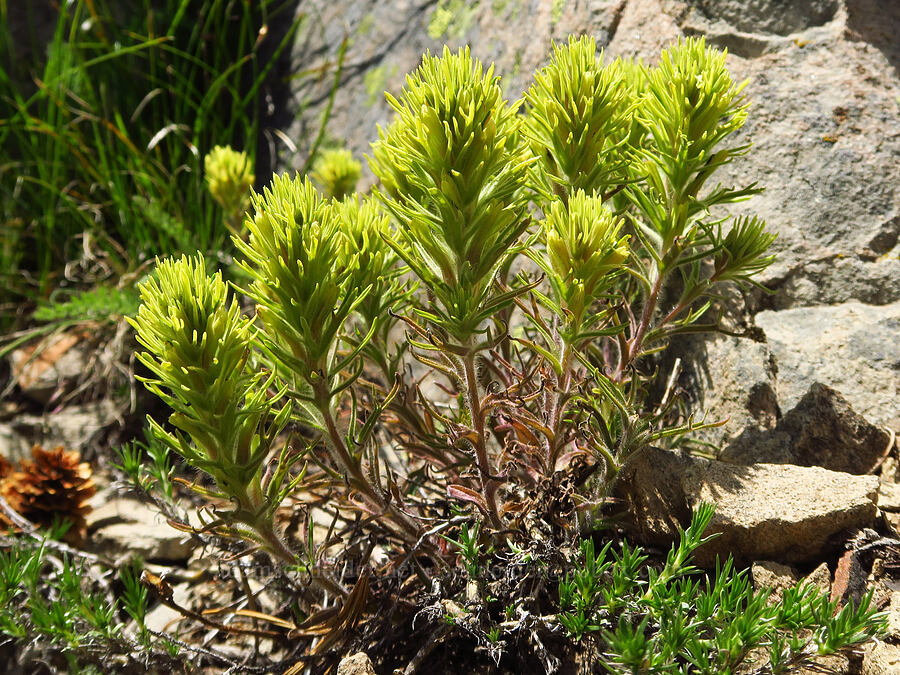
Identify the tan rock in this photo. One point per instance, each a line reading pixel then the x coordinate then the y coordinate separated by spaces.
pixel 356 664
pixel 774 576
pixel 881 658
pixel 779 512
pixel 125 528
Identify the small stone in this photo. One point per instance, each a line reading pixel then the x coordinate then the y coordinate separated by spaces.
pixel 774 576
pixel 881 658
pixel 763 512
pixel 893 521
pixel 75 427
pixel 357 664
pixel 162 617
pixel 129 529
pixel 890 469
pixel 849 579
pixel 889 497
pixel 820 578
pixel 893 619
pixel 45 369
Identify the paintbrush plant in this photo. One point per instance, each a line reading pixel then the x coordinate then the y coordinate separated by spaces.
pixel 229 178
pixel 536 253
pixel 226 418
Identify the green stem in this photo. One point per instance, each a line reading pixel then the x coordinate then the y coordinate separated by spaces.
pixel 488 484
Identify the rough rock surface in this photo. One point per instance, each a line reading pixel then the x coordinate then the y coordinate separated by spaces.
pixel 778 511
pixel 773 576
pixel 823 81
pixel 45 370
pixel 127 528
pixel 764 512
pixel 356 664
pixel 851 347
pixel 75 427
pixel 821 430
pixel 731 380
pixel 881 658
pixel 889 497
pixel 825 124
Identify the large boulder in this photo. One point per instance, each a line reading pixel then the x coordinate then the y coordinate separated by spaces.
pixel 779 512
pixel 825 126
pixel 821 430
pixel 852 347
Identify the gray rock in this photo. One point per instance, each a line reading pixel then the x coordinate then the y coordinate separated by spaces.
pixel 826 136
pixel 13 446
pixel 388 40
pixel 822 81
pixel 821 430
pixel 651 489
pixel 768 16
pixel 852 347
pixel 820 578
pixel 74 427
pixel 732 380
pixel 776 512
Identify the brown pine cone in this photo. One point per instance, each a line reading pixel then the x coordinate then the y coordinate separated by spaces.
pixel 53 485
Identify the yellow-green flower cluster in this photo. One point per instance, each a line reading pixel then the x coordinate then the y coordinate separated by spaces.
pixel 367 228
pixel 453 173
pixel 197 348
pixel 584 250
pixel 578 118
pixel 337 173
pixel 229 177
pixel 689 107
pixel 310 269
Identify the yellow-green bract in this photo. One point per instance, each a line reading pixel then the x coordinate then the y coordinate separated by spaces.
pixel 307 273
pixel 579 114
pixel 229 177
pixel 198 345
pixel 453 170
pixel 584 251
pixel 337 172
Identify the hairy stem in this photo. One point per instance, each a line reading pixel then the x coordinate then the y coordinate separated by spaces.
pixel 557 407
pixel 345 460
pixel 488 483
pixel 274 543
pixel 633 346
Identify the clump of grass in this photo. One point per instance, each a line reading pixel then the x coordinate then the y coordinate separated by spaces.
pixel 107 134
